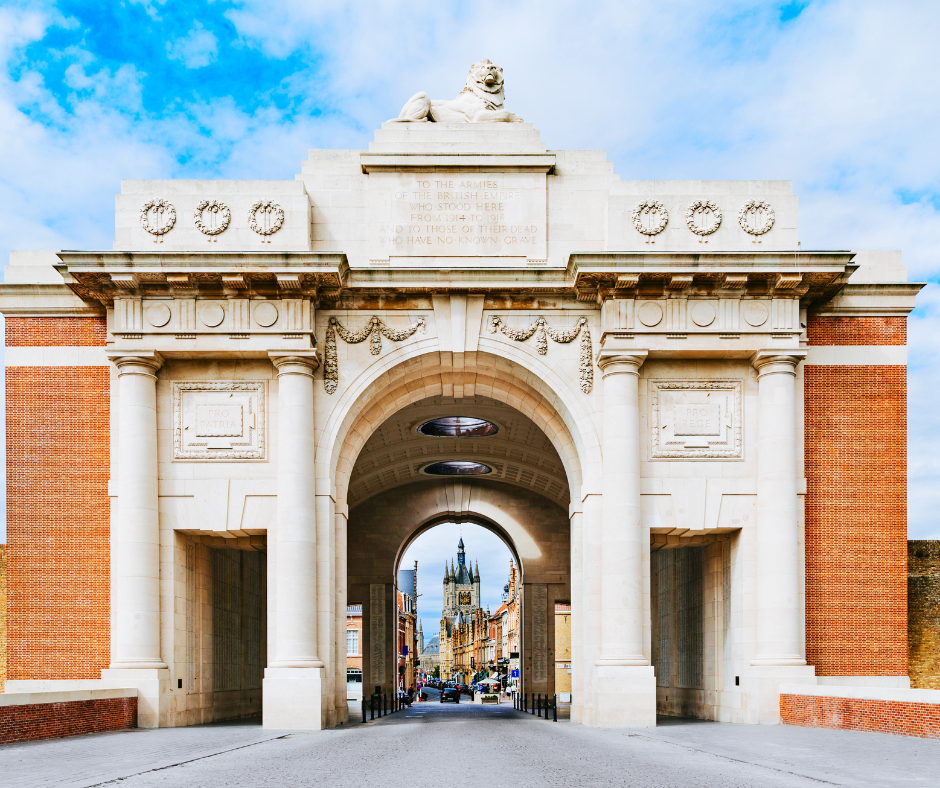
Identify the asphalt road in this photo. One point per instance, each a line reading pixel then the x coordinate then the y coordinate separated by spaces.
pixel 432 744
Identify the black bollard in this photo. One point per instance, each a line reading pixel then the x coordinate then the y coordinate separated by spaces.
pixel 372 707
pixel 538 706
pixel 384 704
pixel 363 709
pixel 554 708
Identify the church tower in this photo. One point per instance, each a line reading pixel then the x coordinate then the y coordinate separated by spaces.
pixel 461 586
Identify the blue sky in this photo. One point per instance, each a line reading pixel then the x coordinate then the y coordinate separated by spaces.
pixel 841 96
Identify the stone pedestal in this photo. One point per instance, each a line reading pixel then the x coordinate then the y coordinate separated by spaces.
pixel 293 698
pixel 763 689
pixel 624 696
pixel 153 689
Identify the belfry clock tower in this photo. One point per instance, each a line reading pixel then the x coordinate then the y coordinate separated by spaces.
pixel 461 586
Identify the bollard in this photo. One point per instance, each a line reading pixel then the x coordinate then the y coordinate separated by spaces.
pixel 384 704
pixel 538 706
pixel 363 709
pixel 554 708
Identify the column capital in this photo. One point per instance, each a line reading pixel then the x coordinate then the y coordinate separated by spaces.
pixel 615 361
pixel 135 362
pixel 774 361
pixel 295 362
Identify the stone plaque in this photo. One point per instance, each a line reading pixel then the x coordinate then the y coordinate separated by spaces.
pixel 539 592
pixel 453 214
pixel 218 420
pixel 377 643
pixel 695 419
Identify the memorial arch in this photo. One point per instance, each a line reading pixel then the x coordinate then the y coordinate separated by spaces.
pixel 672 375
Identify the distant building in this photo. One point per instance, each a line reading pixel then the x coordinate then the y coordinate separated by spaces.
pixel 407 654
pixel 430 655
pixel 354 652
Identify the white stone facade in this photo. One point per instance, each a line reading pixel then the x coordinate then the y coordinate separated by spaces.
pixel 267 384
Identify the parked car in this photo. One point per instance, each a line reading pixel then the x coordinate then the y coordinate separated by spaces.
pixel 450 692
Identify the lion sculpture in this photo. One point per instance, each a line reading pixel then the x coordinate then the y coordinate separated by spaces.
pixel 481 101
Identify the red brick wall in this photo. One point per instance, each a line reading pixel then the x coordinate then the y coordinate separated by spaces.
pixel 856 508
pixel 857 331
pixel 54 720
pixel 877 716
pixel 58 513
pixel 55 332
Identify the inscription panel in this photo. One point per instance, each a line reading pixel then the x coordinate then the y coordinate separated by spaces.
pixel 695 419
pixel 442 213
pixel 218 420
pixel 377 643
pixel 539 593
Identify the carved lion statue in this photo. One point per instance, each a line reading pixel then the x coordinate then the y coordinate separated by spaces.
pixel 481 101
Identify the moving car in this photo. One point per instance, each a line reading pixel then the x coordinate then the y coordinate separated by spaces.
pixel 450 692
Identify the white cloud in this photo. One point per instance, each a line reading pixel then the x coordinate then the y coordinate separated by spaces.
pixel 196 49
pixel 844 100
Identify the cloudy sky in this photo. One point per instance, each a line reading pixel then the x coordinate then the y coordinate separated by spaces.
pixel 439 544
pixel 841 96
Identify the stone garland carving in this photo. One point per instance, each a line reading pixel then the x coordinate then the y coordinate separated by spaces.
pixel 756 218
pixel 266 217
pixel 650 218
pixel 374 330
pixel 219 217
pixel 703 218
pixel 543 331
pixel 166 217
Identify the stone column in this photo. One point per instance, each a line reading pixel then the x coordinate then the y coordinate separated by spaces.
pixel 136 639
pixel 136 660
pixel 293 682
pixel 778 654
pixel 625 682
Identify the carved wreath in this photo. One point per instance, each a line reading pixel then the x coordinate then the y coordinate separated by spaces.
pixel 374 330
pixel 161 207
pixel 543 331
pixel 270 209
pixel 652 210
pixel 703 206
pixel 754 209
pixel 223 214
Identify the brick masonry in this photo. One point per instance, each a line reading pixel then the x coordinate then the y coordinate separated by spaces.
pixel 856 505
pixel 857 331
pixel 3 616
pixel 56 332
pixel 923 604
pixel 58 511
pixel 55 720
pixel 854 714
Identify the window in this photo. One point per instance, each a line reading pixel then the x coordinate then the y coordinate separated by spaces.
pixel 352 641
pixel 457 468
pixel 458 427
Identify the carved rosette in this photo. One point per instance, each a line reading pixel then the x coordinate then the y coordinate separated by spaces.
pixel 374 330
pixel 650 218
pixel 756 218
pixel 703 218
pixel 543 331
pixel 157 217
pixel 212 217
pixel 266 217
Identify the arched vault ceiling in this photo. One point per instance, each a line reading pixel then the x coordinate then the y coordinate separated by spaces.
pixel 519 453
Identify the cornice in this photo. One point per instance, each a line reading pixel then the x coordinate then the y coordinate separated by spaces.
pixel 479 162
pixel 103 276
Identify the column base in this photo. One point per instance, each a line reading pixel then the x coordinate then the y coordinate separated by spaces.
pixel 293 698
pixel 624 696
pixel 153 692
pixel 763 689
